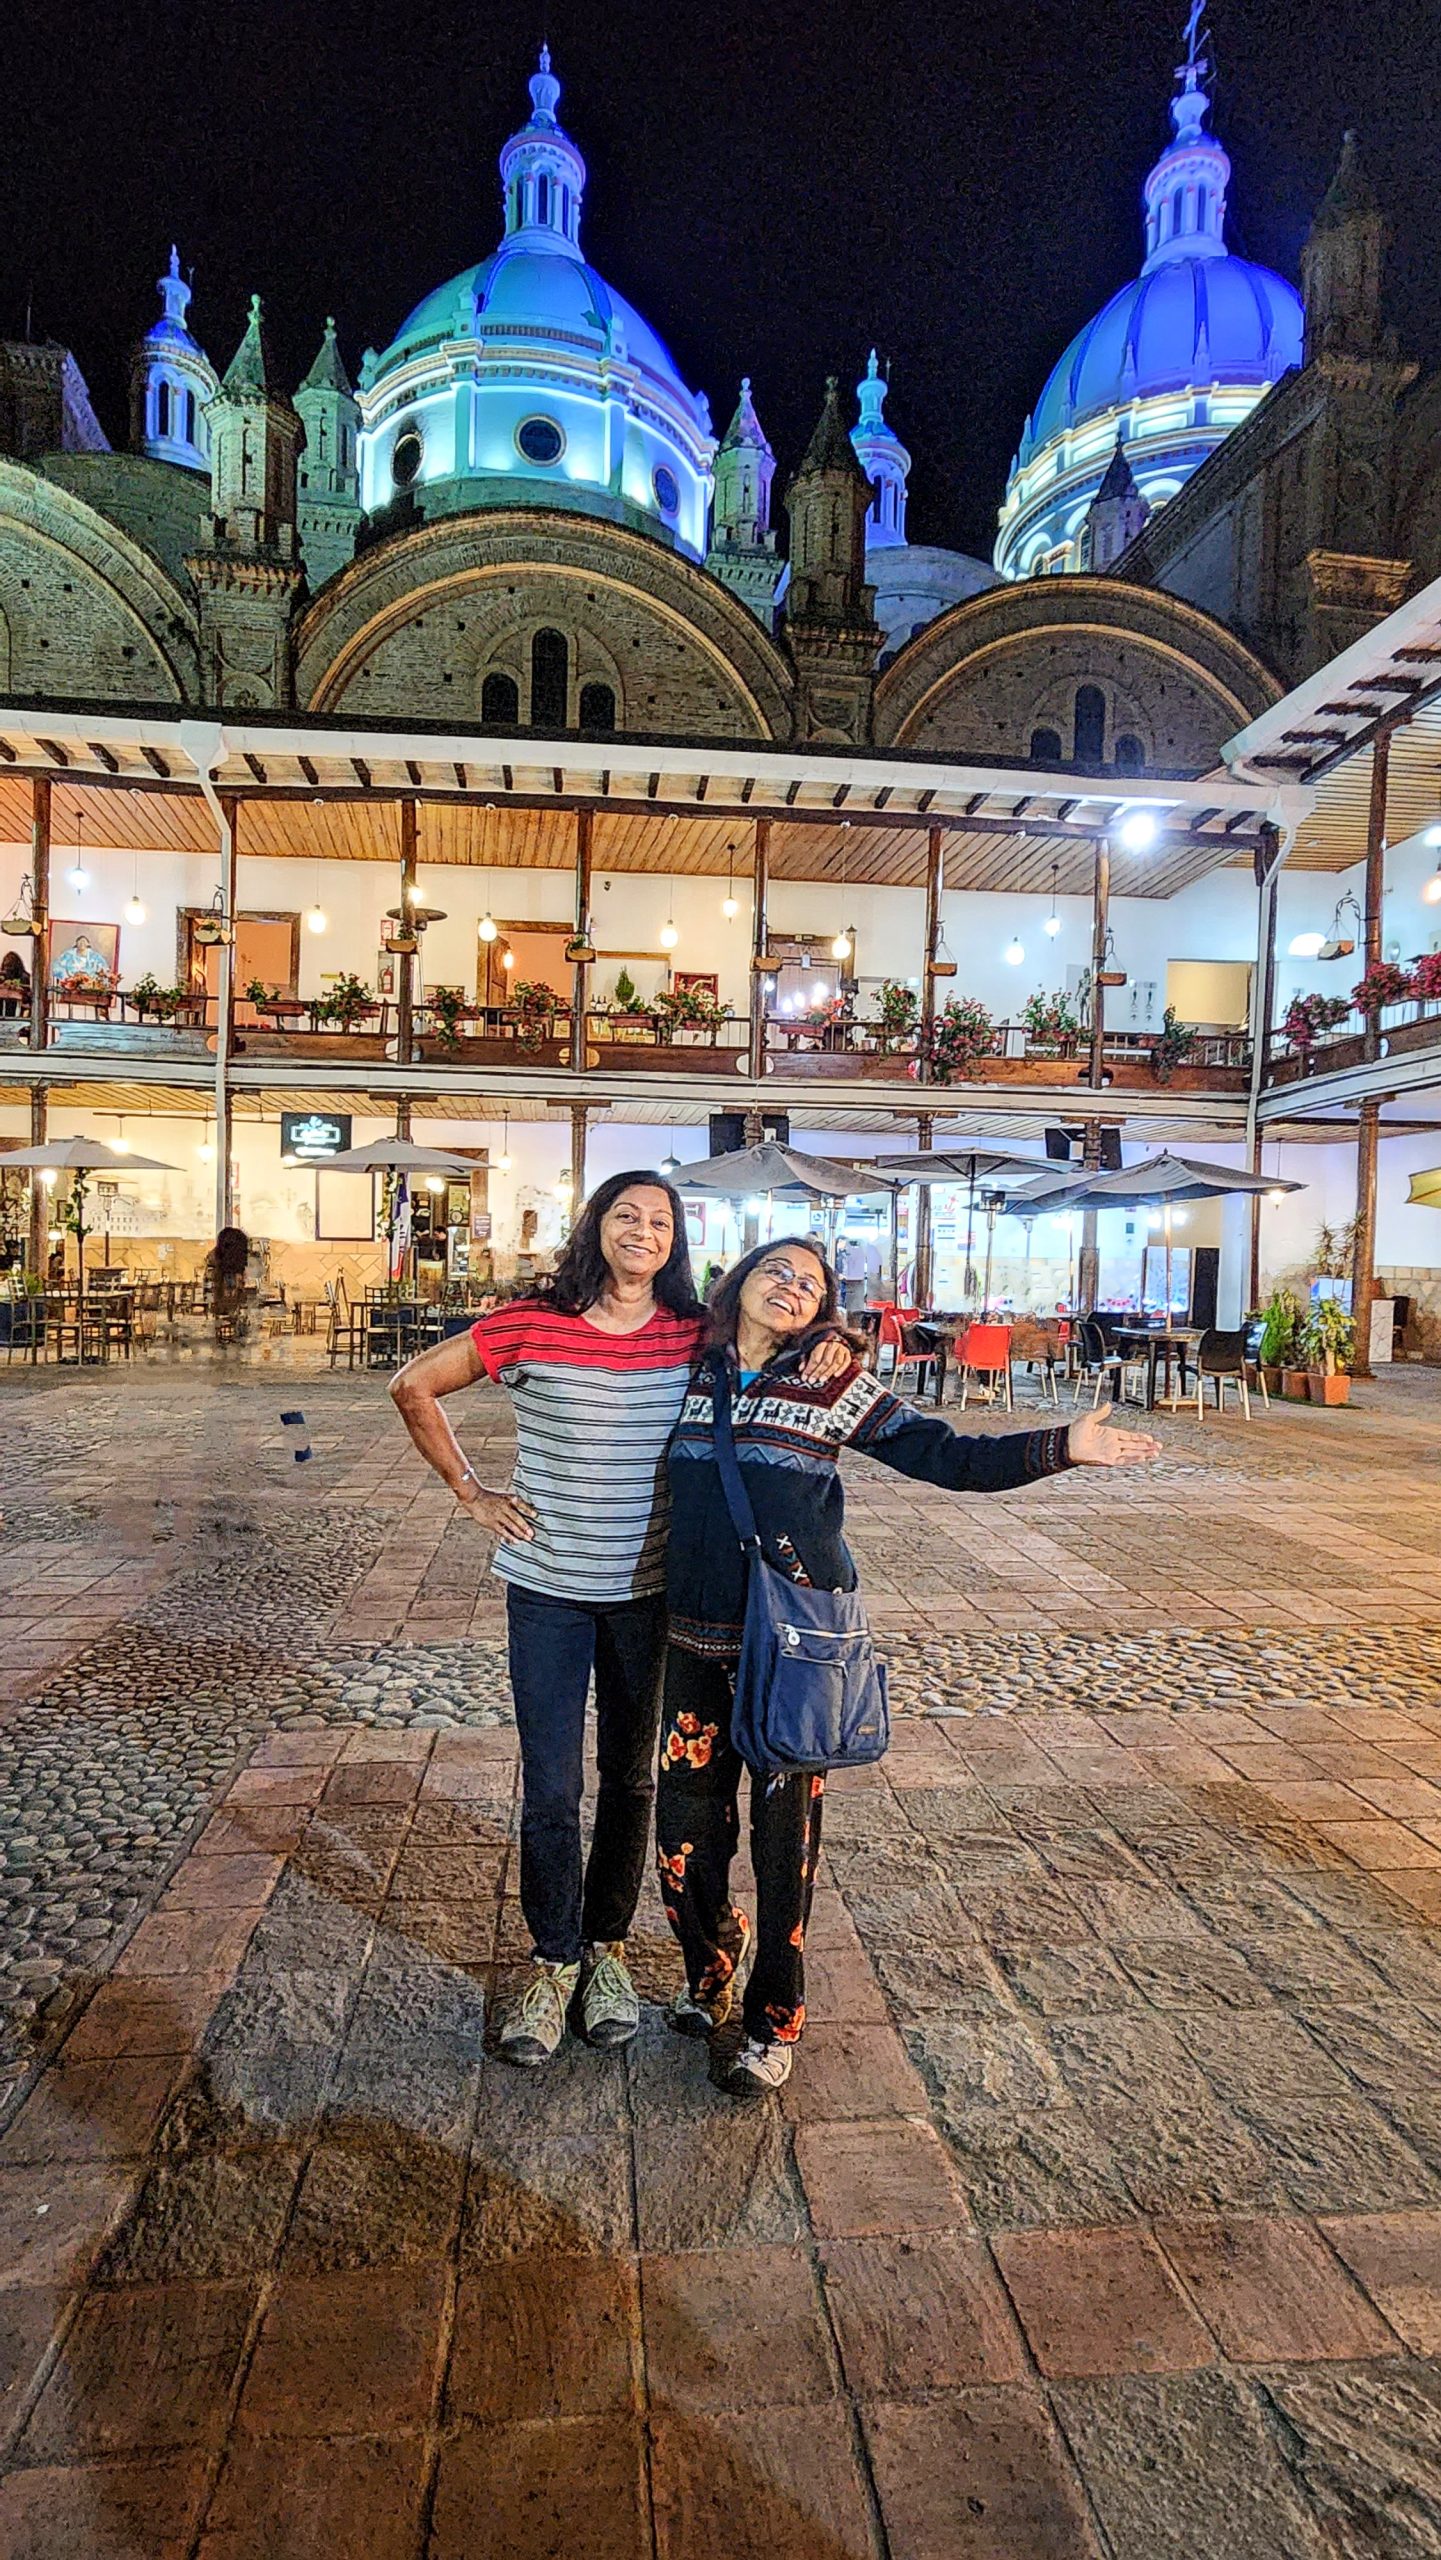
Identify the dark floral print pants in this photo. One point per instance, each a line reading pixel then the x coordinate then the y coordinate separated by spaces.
pixel 697 1827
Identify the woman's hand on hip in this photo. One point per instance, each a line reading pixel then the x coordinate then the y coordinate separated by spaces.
pixel 1096 1441
pixel 826 1359
pixel 499 1514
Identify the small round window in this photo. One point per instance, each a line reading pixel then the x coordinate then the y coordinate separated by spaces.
pixel 407 455
pixel 667 490
pixel 540 440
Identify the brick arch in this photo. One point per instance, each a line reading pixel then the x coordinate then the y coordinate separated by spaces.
pixel 440 601
pixel 999 665
pixel 115 625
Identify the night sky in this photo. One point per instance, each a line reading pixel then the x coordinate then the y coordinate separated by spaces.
pixel 774 186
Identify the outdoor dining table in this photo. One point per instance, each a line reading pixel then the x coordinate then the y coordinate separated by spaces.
pixel 1152 1343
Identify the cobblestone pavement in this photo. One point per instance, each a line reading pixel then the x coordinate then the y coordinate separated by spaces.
pixel 1101 2219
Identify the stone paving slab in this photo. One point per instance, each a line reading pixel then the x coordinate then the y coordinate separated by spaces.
pixel 1103 2213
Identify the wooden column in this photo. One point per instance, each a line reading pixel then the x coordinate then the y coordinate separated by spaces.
pixel 759 930
pixel 1088 1260
pixel 580 991
pixel 1263 1007
pixel 579 1121
pixel 1100 919
pixel 1368 1118
pixel 40 791
pixel 225 1012
pixel 405 975
pixel 935 885
pixel 922 1258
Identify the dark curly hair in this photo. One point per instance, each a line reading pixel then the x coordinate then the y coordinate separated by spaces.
pixel 580 1275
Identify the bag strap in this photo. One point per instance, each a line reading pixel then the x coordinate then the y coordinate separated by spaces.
pixel 743 1519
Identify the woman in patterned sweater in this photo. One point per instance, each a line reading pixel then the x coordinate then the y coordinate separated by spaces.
pixel 789 1432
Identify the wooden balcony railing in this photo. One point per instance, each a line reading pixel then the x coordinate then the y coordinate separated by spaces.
pixel 1401 1028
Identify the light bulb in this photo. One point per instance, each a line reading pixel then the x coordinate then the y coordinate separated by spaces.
pixel 435 1182
pixel 206 1152
pixel 1053 926
pixel 821 991
pixel 507 960
pixel 1432 891
pixel 1305 946
pixel 317 920
pixel 487 927
pixel 1015 952
pixel 134 911
pixel 667 936
pixel 78 876
pixel 1275 1195
pixel 1432 837
pixel 412 893
pixel 1179 1217
pixel 730 908
pixel 502 1161
pixel 121 1146
pixel 1139 831
pixel 47 1179
pixel 842 947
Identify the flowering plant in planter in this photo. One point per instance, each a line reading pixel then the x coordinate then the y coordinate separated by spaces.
pixel 1329 1347
pixel 1385 982
pixel 346 1002
pixel 1174 1044
pixel 1051 1021
pixel 962 1034
pixel 1307 1017
pixel 148 996
pixel 898 1010
pixel 1426 976
pixel 688 1009
pixel 535 1006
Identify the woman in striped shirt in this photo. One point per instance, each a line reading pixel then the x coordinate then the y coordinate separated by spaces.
pixel 596 1365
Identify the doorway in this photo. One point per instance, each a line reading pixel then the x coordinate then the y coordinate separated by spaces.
pixel 267 947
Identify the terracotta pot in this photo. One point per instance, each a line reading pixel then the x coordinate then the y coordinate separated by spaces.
pixel 1294 1386
pixel 1272 1378
pixel 1329 1390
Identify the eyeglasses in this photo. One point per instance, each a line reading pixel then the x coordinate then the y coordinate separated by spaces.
pixel 813 1290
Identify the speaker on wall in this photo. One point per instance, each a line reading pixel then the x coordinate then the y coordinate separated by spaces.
pixel 1058 1145
pixel 728 1130
pixel 1110 1150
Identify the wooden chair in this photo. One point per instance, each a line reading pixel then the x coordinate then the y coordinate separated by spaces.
pixel 984 1352
pixel 1040 1348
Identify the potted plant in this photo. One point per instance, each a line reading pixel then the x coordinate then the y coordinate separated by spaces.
pixel 962 1034
pixel 1174 1044
pixel 535 1006
pixel 447 1004
pixel 1052 1024
pixel 898 1009
pixel 627 993
pixel 1330 1348
pixel 1306 1017
pixel 149 997
pixel 1385 982
pixel 346 1002
pixel 1280 1326
pixel 1426 977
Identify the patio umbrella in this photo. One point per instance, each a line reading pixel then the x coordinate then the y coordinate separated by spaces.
pixel 1167 1182
pixel 785 1173
pixel 995 1170
pixel 80 1157
pixel 1425 1189
pixel 403 1157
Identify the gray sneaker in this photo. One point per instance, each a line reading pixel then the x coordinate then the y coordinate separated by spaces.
pixel 609 2001
pixel 534 2026
pixel 759 2068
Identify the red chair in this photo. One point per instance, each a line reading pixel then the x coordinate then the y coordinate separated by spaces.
pixel 985 1353
pixel 896 1330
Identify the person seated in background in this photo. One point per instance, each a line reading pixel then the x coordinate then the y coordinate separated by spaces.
pixel 14 984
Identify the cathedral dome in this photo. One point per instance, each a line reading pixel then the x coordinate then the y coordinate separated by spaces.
pixel 528 380
pixel 1168 367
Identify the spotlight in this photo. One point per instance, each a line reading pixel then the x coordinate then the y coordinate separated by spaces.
pixel 1139 831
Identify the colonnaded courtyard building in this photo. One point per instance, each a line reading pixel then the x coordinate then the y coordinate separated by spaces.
pixel 482 743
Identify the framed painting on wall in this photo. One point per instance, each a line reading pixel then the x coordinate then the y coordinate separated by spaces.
pixel 706 982
pixel 83 955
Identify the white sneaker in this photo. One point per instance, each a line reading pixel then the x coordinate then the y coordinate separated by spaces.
pixel 759 2068
pixel 692 2015
pixel 534 2027
pixel 609 2001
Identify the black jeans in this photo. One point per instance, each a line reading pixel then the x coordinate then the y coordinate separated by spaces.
pixel 697 1826
pixel 554 1646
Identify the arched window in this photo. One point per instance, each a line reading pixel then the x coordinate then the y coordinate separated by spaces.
pixel 1130 755
pixel 162 410
pixel 549 680
pixel 597 706
pixel 500 701
pixel 1045 746
pixel 542 199
pixel 1090 737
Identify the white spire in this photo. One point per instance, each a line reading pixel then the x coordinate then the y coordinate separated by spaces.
pixel 542 174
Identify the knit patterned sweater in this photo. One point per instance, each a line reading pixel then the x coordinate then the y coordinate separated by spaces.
pixel 788 1436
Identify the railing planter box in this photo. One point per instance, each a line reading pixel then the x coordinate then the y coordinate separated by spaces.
pixel 662 1058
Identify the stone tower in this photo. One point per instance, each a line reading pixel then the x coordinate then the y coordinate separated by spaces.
pixel 830 625
pixel 1343 263
pixel 248 575
pixel 328 502
pixel 1116 514
pixel 742 551
pixel 172 382
pixel 883 458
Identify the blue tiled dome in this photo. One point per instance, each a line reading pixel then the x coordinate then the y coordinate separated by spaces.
pixel 1187 324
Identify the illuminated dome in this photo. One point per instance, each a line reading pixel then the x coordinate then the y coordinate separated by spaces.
pixel 527 380
pixel 1174 361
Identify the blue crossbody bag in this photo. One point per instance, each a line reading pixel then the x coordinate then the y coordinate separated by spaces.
pixel 810 1690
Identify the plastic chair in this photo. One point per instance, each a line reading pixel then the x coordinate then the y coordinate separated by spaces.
pixel 897 1331
pixel 1096 1362
pixel 1222 1356
pixel 985 1352
pixel 1040 1347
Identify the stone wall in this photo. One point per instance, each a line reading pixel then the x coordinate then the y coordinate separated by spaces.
pixel 1421 1283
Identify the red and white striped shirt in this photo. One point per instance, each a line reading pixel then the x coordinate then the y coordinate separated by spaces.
pixel 594 1412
